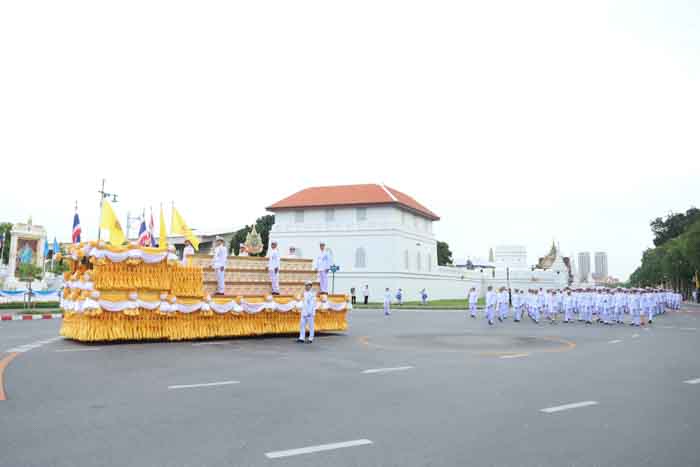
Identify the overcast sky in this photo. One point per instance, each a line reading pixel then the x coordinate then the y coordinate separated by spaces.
pixel 517 122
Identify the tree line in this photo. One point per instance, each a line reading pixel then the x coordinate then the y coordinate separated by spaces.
pixel 674 261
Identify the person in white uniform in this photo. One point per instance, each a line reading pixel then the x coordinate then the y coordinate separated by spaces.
pixel 473 298
pixel 387 302
pixel 568 305
pixel 273 267
pixel 491 301
pixel 308 313
pixel 323 265
pixel 219 265
pixel 187 253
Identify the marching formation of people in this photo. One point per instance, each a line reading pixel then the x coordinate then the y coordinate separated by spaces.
pixel 601 305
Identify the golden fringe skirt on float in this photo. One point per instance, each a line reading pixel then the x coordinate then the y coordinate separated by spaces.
pixel 152 325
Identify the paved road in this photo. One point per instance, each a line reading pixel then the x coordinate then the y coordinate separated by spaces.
pixel 414 389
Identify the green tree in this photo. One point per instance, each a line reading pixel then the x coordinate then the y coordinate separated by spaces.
pixel 444 255
pixel 29 271
pixel 263 225
pixel 5 228
pixel 673 225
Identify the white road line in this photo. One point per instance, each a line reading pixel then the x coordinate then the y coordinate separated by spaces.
pixel 688 329
pixel 693 381
pixel 616 341
pixel 575 405
pixel 517 355
pixel 78 350
pixel 203 385
pixel 669 327
pixel 634 336
pixel 319 448
pixel 386 370
pixel 195 344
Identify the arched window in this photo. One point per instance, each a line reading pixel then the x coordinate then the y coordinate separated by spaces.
pixel 418 261
pixel 405 260
pixel 360 258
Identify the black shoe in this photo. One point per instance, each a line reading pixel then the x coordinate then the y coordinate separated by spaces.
pixel 309 341
pixel 300 341
pixel 500 319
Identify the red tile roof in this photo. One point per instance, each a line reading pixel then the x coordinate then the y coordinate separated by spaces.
pixel 352 195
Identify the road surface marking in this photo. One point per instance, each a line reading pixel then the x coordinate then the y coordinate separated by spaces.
pixel 209 343
pixel 616 341
pixel 319 448
pixel 78 350
pixel 693 381
pixel 635 336
pixel 575 405
pixel 33 345
pixel 3 364
pixel 517 355
pixel 203 385
pixel 668 327
pixel 688 329
pixel 386 370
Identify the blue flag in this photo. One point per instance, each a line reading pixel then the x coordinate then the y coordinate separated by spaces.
pixel 46 248
pixel 56 248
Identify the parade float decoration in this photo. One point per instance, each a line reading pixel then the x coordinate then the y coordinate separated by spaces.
pixel 135 293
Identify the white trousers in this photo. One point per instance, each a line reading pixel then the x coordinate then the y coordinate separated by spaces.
pixel 490 312
pixel 503 310
pixel 275 281
pixel 472 309
pixel 323 279
pixel 306 319
pixel 568 314
pixel 220 284
pixel 518 312
pixel 387 308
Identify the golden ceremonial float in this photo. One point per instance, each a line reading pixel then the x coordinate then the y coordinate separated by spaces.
pixel 134 293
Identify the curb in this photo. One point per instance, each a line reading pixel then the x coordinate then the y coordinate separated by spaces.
pixel 30 317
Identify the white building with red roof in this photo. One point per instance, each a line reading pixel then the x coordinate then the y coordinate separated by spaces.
pixel 378 236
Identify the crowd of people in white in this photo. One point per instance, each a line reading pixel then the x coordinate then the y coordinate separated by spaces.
pixel 605 306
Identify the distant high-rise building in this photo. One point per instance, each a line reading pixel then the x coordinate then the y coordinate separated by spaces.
pixel 584 265
pixel 601 265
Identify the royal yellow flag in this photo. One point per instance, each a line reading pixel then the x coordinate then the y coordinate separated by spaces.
pixel 109 221
pixel 179 226
pixel 163 240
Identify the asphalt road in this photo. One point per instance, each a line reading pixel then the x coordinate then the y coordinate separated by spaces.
pixel 414 389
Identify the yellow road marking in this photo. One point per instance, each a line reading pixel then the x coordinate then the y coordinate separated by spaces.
pixel 3 364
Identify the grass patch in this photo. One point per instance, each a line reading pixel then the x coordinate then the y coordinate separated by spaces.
pixel 448 304
pixel 18 305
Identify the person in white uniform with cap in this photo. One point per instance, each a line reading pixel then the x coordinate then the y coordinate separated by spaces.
pixel 323 265
pixel 308 313
pixel 273 267
pixel 219 265
pixel 187 253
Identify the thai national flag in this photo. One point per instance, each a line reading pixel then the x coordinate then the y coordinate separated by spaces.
pixel 76 228
pixel 144 235
pixel 151 227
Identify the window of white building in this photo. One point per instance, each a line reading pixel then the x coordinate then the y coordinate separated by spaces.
pixel 330 215
pixel 418 261
pixel 361 214
pixel 406 264
pixel 299 217
pixel 360 258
